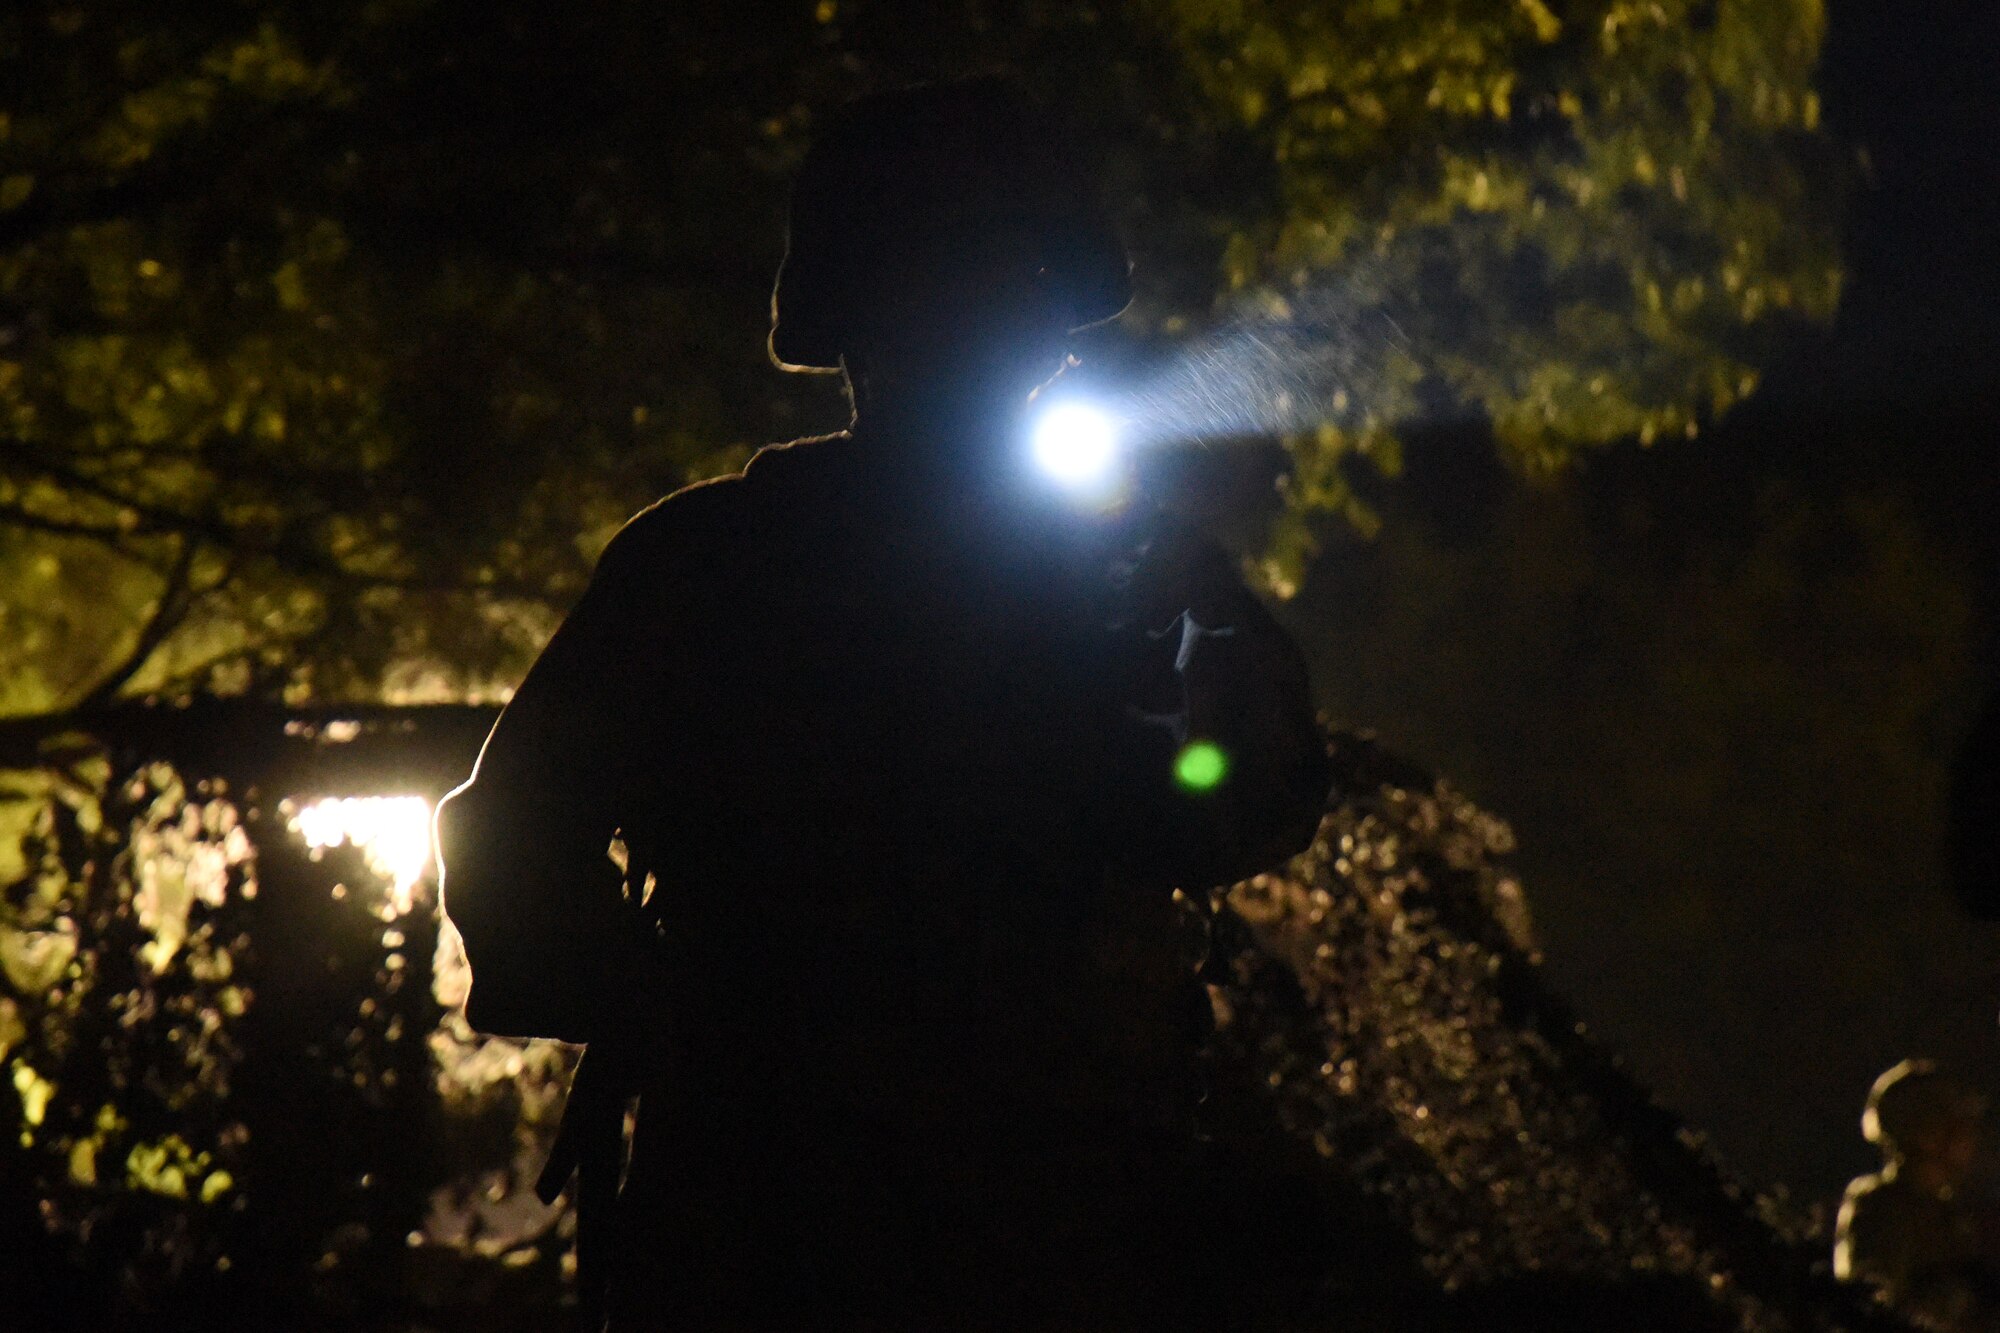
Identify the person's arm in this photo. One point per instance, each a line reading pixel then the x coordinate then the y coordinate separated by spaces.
pixel 555 949
pixel 1238 684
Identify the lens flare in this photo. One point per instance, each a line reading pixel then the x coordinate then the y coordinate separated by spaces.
pixel 1201 766
pixel 1076 444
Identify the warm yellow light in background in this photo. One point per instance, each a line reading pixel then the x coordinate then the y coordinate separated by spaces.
pixel 393 834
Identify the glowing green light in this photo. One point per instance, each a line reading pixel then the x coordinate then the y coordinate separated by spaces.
pixel 1200 766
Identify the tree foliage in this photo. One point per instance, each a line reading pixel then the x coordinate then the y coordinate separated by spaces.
pixel 336 338
pixel 1579 219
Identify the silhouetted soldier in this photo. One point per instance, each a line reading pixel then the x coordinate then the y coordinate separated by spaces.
pixel 1920 1228
pixel 887 732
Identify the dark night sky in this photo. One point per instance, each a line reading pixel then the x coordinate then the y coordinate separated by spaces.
pixel 1908 383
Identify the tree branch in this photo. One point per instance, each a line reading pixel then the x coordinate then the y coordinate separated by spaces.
pixel 15 515
pixel 166 617
pixel 148 519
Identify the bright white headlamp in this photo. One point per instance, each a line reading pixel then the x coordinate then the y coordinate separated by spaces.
pixel 1076 445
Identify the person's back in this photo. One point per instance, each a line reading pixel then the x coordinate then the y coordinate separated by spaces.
pixel 887 735
pixel 911 987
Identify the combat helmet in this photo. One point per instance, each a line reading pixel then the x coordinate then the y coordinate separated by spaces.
pixel 1912 1102
pixel 921 171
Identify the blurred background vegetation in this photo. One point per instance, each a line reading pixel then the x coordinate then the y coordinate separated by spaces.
pixel 338 337
pixel 1635 475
